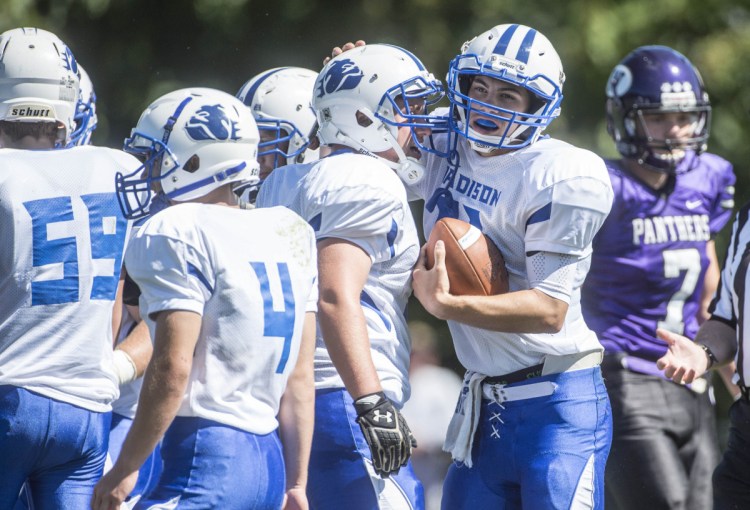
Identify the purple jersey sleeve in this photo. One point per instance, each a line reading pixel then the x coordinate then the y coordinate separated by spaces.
pixel 649 258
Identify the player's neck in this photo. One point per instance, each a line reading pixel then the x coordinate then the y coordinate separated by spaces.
pixel 26 143
pixel 652 178
pixel 222 195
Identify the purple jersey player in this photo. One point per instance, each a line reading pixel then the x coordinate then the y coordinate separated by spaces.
pixel 654 266
pixel 650 258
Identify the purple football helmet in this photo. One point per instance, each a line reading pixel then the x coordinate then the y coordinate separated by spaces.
pixel 656 80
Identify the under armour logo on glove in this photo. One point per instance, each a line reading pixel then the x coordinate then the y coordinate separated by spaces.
pixel 386 433
pixel 387 416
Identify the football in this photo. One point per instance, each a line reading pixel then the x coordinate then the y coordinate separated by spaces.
pixel 475 265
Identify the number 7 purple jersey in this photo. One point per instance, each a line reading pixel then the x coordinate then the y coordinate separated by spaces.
pixel 649 258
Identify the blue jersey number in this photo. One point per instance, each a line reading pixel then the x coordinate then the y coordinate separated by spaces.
pixel 107 229
pixel 279 324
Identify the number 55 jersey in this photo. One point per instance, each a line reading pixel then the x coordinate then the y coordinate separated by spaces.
pixel 62 238
pixel 650 259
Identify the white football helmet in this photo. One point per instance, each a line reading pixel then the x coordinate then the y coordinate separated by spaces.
pixel 516 54
pixel 379 81
pixel 191 141
pixel 85 116
pixel 39 79
pixel 280 101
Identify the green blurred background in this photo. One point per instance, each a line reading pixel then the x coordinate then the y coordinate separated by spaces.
pixel 136 50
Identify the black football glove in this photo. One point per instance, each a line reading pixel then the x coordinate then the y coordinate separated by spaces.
pixel 386 432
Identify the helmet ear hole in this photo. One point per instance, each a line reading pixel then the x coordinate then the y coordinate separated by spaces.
pixel 363 120
pixel 192 164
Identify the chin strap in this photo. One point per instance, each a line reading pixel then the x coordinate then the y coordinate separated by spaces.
pixel 409 170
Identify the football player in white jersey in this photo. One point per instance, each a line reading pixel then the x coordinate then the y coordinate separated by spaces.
pixel 280 100
pixel 61 267
pixel 371 108
pixel 232 317
pixel 133 343
pixel 532 427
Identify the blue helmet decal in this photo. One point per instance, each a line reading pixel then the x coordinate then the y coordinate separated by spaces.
pixel 342 75
pixel 212 122
pixel 69 62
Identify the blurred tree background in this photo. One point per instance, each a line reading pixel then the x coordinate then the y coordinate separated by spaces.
pixel 136 50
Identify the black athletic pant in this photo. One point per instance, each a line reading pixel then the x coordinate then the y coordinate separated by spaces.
pixel 664 445
pixel 732 476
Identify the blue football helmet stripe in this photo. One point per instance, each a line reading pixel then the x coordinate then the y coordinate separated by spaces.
pixel 410 54
pixel 502 44
pixel 251 93
pixel 171 121
pixel 525 49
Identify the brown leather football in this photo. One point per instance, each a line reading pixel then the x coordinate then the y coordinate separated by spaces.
pixel 475 265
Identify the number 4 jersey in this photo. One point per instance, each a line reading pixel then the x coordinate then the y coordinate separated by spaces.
pixel 650 257
pixel 62 241
pixel 252 276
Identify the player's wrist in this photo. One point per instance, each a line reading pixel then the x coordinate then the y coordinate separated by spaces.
pixel 710 356
pixel 370 401
pixel 448 307
pixel 298 486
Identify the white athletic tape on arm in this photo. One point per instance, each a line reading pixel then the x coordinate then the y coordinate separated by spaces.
pixel 124 366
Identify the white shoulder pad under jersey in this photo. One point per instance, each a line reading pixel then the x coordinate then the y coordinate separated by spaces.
pixel 359 199
pixel 63 242
pixel 252 275
pixel 348 196
pixel 549 197
pixel 568 197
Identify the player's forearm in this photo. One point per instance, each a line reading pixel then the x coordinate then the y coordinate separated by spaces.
pixel 162 393
pixel 526 311
pixel 296 421
pixel 163 386
pixel 720 338
pixel 297 411
pixel 345 334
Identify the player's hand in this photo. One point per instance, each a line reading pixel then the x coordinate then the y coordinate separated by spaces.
pixel 386 432
pixel 338 50
pixel 684 361
pixel 431 286
pixel 113 489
